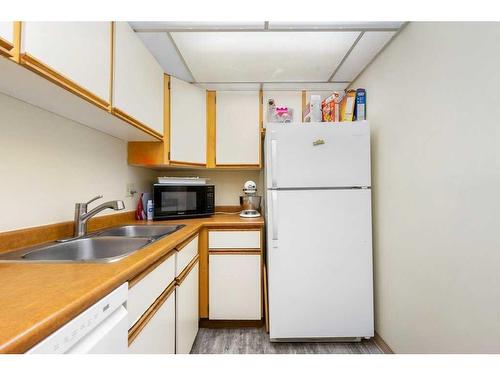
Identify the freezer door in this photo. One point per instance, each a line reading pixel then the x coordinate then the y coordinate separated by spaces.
pixel 318 155
pixel 320 264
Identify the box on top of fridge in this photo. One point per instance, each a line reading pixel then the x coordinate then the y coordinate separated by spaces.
pixel 330 107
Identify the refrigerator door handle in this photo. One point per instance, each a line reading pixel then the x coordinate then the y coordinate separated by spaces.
pixel 274 208
pixel 274 162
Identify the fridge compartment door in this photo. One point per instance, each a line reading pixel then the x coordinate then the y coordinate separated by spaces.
pixel 320 264
pixel 318 155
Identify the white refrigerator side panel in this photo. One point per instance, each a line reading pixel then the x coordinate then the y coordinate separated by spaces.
pixel 320 263
pixel 318 155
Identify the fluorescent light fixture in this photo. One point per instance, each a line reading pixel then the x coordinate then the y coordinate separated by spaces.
pixel 196 26
pixel 230 86
pixel 339 26
pixel 312 86
pixel 263 57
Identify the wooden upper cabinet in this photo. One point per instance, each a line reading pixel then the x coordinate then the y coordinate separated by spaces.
pixel 7 32
pixel 188 128
pixel 138 81
pixel 76 55
pixel 237 128
pixel 7 39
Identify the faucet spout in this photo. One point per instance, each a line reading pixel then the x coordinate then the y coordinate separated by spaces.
pixel 115 205
pixel 82 216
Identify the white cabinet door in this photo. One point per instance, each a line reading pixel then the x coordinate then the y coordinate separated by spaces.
pixel 80 51
pixel 138 79
pixel 187 312
pixel 158 335
pixel 237 129
pixel 7 31
pixel 234 286
pixel 188 125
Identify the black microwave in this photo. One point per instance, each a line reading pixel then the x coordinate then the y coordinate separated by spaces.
pixel 183 201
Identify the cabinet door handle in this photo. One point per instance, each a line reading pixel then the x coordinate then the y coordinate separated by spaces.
pixel 274 162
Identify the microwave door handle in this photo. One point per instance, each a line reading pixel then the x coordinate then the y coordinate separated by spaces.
pixel 274 208
pixel 274 162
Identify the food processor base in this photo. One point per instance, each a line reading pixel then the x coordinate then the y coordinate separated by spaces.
pixel 249 213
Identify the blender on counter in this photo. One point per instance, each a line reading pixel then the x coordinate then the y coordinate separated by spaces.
pixel 250 202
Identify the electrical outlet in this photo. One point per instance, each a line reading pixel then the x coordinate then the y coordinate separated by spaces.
pixel 130 190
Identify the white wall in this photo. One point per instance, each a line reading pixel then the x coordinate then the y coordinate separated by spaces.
pixel 228 183
pixel 48 163
pixel 433 103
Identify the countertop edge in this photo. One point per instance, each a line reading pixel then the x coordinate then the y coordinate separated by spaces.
pixel 29 338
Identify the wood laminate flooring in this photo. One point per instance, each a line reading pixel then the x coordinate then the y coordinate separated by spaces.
pixel 256 341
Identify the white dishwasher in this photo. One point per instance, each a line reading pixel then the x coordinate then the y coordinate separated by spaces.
pixel 101 329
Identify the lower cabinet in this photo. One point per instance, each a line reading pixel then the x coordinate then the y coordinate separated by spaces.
pixel 235 286
pixel 158 334
pixel 187 310
pixel 163 304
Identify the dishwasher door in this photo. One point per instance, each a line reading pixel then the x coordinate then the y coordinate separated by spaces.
pixel 101 329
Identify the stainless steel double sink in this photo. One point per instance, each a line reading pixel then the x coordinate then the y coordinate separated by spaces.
pixel 109 245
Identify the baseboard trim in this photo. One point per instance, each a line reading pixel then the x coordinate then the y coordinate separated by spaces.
pixel 207 323
pixel 379 341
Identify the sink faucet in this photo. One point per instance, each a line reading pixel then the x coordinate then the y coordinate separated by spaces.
pixel 82 216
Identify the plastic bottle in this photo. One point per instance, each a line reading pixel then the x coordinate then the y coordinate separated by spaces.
pixel 149 210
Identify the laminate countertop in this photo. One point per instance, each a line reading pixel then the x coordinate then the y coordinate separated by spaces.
pixel 36 299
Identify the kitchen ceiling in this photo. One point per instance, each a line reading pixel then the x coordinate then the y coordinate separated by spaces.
pixel 272 55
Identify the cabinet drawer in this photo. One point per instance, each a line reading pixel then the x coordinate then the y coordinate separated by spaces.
pixel 235 286
pixel 146 291
pixel 186 255
pixel 232 239
pixel 158 335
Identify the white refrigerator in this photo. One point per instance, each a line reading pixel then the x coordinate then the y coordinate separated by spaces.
pixel 319 233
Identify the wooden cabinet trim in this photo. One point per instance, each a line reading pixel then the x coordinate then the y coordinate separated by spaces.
pixel 234 251
pixel 185 272
pixel 16 50
pixel 6 48
pixel 149 313
pixel 203 273
pixel 186 163
pixel 149 269
pixel 257 228
pixel 146 153
pixel 249 227
pixel 135 123
pixel 211 128
pixel 45 71
pixel 237 166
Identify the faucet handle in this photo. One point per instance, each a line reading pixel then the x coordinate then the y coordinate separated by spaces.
pixel 94 199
